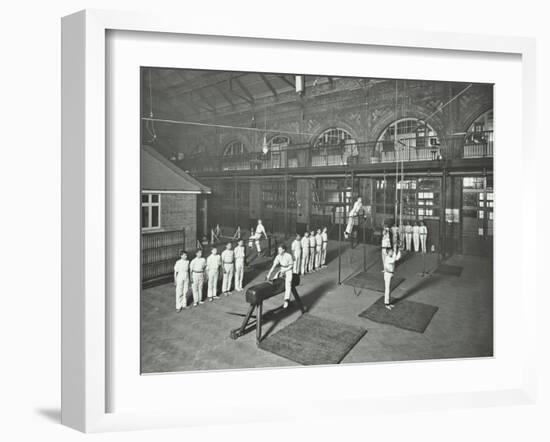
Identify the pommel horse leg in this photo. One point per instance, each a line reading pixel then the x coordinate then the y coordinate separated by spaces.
pixel 238 332
pixel 259 323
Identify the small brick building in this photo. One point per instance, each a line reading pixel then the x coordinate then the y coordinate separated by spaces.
pixel 170 198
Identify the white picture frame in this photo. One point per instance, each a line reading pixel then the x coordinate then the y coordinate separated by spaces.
pixel 85 202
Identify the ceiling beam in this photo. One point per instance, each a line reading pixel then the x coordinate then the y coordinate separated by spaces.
pixel 269 85
pixel 287 81
pixel 208 103
pixel 250 98
pixel 224 95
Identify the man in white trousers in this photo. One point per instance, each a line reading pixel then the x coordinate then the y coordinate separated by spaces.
pixel 423 232
pixel 284 261
pixel 312 244
pixel 408 236
pixel 296 249
pixel 416 236
pixel 324 236
pixel 228 268
pixel 260 230
pixel 386 242
pixel 197 267
pixel 240 255
pixel 305 253
pixel 318 249
pixel 181 281
pixel 213 264
pixel 389 267
pixel 357 206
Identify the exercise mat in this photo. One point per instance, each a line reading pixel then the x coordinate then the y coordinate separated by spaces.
pixel 446 269
pixel 372 281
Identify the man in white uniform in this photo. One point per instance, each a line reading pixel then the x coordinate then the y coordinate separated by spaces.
pixel 389 267
pixel 181 281
pixel 357 206
pixel 285 262
pixel 240 254
pixel 402 236
pixel 416 236
pixel 408 235
pixel 312 243
pixel 260 230
pixel 386 242
pixel 318 249
pixel 423 231
pixel 394 231
pixel 296 248
pixel 228 268
pixel 197 266
pixel 213 264
pixel 305 253
pixel 324 236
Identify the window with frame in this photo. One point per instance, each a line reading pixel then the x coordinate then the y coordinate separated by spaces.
pixel 234 148
pixel 150 211
pixel 332 137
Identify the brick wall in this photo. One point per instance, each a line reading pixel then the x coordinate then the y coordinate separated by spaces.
pixel 178 211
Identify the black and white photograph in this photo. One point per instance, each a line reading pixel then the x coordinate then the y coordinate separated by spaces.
pixel 301 219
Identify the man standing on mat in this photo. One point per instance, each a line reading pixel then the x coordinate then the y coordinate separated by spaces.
pixel 285 262
pixel 305 253
pixel 213 264
pixel 181 281
pixel 228 267
pixel 386 242
pixel 357 206
pixel 389 267
pixel 324 236
pixel 296 253
pixel 312 243
pixel 197 266
pixel 423 231
pixel 239 265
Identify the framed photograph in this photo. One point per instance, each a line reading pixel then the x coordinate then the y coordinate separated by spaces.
pixel 324 214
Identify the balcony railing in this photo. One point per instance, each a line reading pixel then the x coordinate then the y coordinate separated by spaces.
pixel 471 145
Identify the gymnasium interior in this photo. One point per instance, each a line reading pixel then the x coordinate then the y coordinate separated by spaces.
pixel 221 150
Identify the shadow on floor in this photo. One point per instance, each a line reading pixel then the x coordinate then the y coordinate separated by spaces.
pixel 418 287
pixel 51 414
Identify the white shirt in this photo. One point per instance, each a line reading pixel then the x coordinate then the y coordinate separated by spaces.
pixel 296 247
pixel 386 239
pixel 213 262
pixel 305 243
pixel 389 262
pixel 285 261
pixel 228 256
pixel 181 268
pixel 324 236
pixel 239 253
pixel 319 240
pixel 312 241
pixel 416 230
pixel 260 229
pixel 423 230
pixel 356 208
pixel 408 228
pixel 198 265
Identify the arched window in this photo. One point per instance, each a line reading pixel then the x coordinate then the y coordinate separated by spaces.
pixel 332 137
pixel 234 148
pixel 482 123
pixel 408 139
pixel 278 142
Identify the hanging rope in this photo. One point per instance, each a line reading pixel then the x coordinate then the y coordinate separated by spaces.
pixel 150 123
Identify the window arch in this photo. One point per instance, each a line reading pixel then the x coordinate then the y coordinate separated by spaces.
pixel 482 123
pixel 332 136
pixel 407 128
pixel 234 148
pixel 278 141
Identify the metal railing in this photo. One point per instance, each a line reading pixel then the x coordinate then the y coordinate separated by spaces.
pixel 471 145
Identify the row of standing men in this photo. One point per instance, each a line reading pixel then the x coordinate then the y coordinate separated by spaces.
pixel 407 235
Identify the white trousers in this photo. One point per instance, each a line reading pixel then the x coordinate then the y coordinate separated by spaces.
pixel 311 263
pixel 288 283
pixel 324 254
pixel 318 251
pixel 349 227
pixel 387 285
pixel 416 241
pixel 212 283
pixel 409 237
pixel 182 287
pixel 423 243
pixel 196 286
pixel 305 260
pixel 297 259
pixel 228 270
pixel 239 272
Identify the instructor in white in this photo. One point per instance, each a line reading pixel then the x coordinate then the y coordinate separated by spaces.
pixel 389 267
pixel 260 230
pixel 285 263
